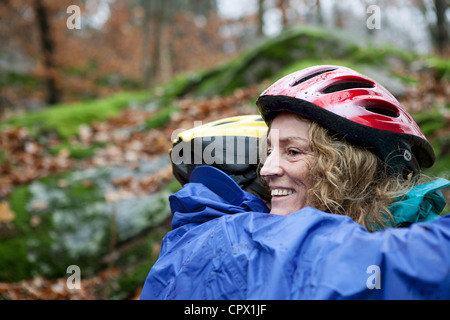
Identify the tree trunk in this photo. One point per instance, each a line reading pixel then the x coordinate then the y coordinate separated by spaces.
pixel 282 6
pixel 442 37
pixel 154 16
pixel 165 63
pixel 146 68
pixel 260 30
pixel 319 13
pixel 158 17
pixel 48 50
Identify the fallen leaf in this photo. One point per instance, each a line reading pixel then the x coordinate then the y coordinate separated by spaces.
pixel 6 215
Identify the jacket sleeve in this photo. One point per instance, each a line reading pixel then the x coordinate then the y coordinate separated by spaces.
pixel 404 263
pixel 306 255
pixel 315 255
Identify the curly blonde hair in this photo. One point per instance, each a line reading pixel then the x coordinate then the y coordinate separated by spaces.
pixel 352 181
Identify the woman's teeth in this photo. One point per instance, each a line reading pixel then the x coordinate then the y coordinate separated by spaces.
pixel 281 192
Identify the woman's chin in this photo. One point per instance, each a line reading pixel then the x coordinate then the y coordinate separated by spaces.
pixel 284 210
pixel 285 205
pixel 280 212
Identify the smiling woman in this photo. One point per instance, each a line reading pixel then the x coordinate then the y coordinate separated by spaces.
pixel 363 150
pixel 311 168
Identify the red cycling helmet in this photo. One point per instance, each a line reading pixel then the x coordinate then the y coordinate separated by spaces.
pixel 354 107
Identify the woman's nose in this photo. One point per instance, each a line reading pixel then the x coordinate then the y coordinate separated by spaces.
pixel 271 166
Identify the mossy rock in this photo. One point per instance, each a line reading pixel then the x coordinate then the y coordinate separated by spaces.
pixel 65 219
pixel 303 46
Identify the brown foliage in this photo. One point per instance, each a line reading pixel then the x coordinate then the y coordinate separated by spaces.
pixel 92 62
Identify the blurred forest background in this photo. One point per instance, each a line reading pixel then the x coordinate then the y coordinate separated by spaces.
pixel 88 106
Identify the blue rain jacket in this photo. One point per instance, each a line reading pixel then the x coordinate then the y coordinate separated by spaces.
pixel 225 245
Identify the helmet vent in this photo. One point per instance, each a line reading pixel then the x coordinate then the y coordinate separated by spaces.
pixel 310 76
pixel 383 111
pixel 347 85
pixel 222 123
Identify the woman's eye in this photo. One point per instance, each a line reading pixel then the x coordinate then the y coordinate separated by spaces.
pixel 294 152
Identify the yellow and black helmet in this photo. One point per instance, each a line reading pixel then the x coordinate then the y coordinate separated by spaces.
pixel 230 144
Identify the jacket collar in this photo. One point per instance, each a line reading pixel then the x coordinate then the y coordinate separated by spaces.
pixel 210 194
pixel 422 203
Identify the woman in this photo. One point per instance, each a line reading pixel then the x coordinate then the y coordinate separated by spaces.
pixel 360 149
pixel 338 143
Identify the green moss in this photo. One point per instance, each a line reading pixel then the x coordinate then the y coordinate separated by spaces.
pixel 441 167
pixel 376 55
pixel 16 79
pixel 65 119
pixel 161 118
pixel 14 264
pixel 82 71
pixel 440 65
pixel 77 151
pixel 47 248
pixel 430 121
pixel 173 186
pixel 18 200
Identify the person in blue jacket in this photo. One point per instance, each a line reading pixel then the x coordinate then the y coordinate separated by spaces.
pixel 350 216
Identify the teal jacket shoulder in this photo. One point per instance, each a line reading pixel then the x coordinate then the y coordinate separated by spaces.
pixel 422 203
